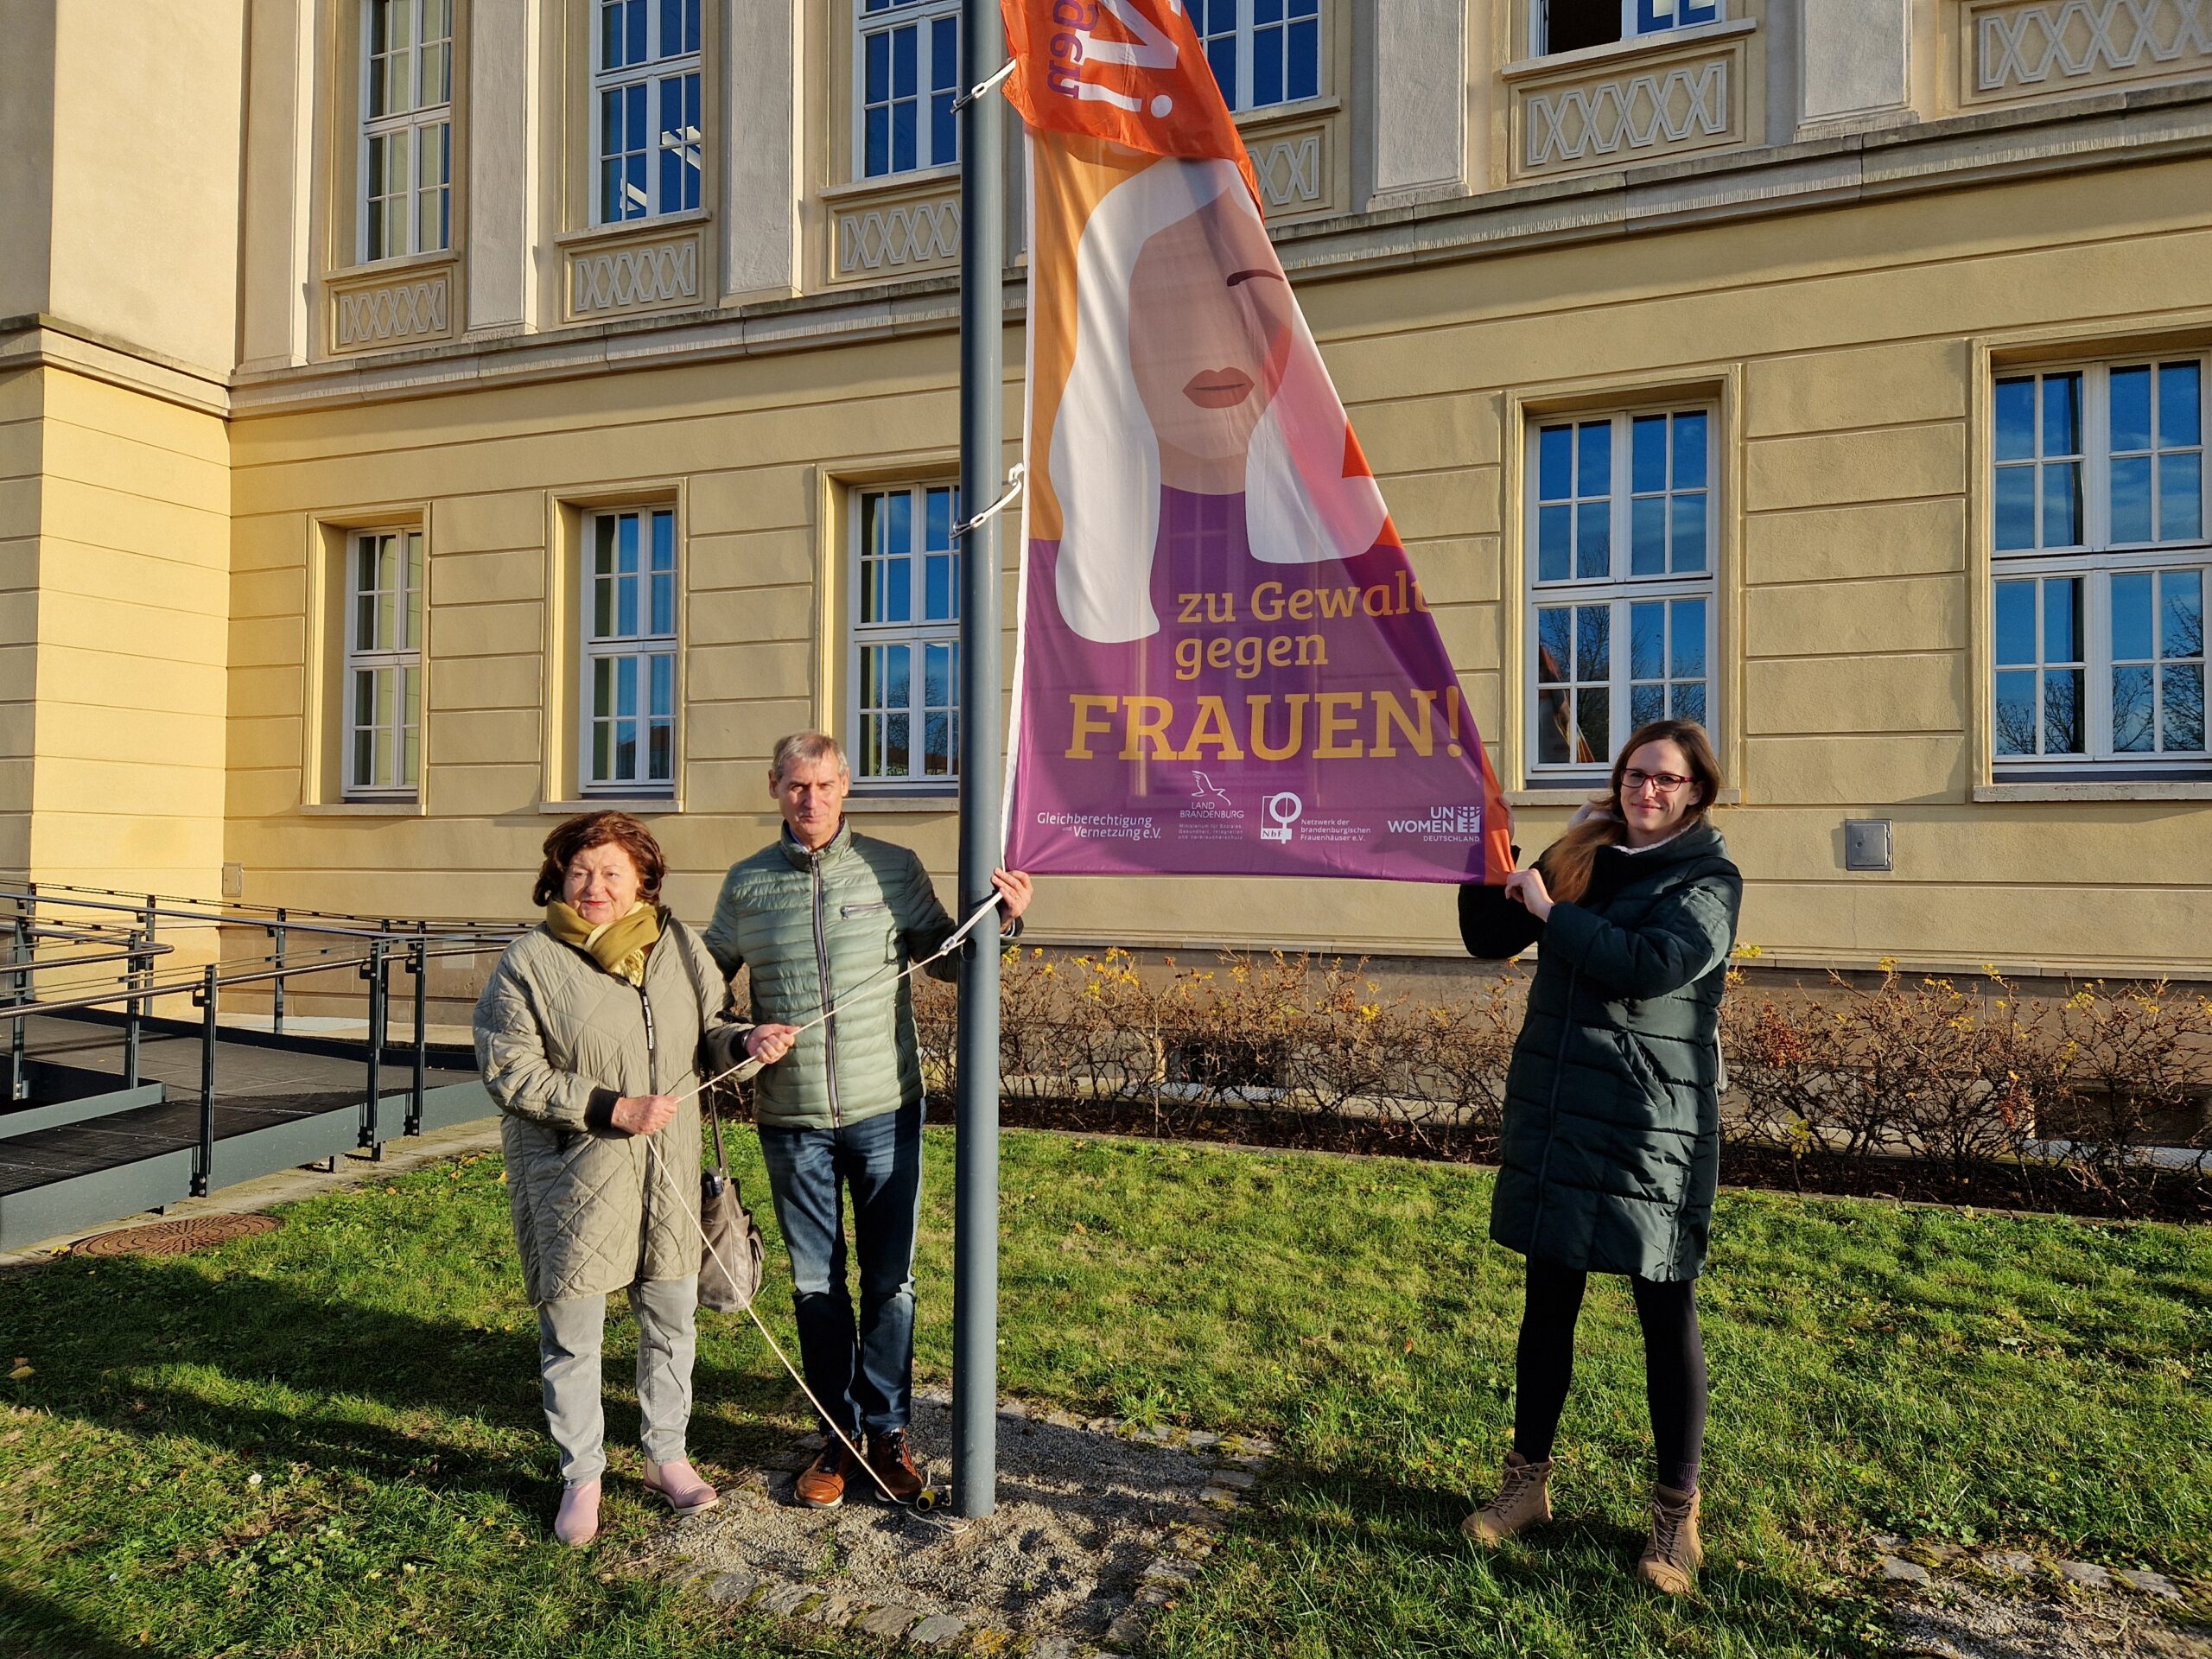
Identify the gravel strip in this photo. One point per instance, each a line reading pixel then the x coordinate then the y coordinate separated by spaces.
pixel 1089 1515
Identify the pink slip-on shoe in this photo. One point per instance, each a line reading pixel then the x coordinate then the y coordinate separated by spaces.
pixel 577 1523
pixel 687 1492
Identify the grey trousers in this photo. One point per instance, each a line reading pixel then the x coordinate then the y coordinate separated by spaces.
pixel 569 1336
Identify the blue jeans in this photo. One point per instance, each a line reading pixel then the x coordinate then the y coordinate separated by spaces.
pixel 862 1375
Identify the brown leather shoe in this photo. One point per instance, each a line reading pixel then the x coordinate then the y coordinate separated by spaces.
pixel 893 1460
pixel 821 1485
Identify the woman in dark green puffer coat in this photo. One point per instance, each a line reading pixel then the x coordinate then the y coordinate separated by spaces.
pixel 1611 1144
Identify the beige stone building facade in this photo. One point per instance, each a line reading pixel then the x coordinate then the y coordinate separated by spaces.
pixel 419 419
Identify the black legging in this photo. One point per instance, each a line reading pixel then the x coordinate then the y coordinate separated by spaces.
pixel 1674 1366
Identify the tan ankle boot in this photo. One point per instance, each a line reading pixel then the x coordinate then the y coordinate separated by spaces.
pixel 1524 1500
pixel 1673 1555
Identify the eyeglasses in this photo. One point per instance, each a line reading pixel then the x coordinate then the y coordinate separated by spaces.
pixel 1666 783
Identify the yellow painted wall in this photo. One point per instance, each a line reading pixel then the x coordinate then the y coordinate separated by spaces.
pixel 19 402
pixel 1842 340
pixel 145 142
pixel 27 159
pixel 133 556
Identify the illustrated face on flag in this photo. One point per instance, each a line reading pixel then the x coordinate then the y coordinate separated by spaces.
pixel 1226 664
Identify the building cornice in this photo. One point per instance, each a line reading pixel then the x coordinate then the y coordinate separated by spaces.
pixel 39 339
pixel 2095 131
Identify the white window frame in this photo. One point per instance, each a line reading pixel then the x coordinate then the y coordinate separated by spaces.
pixel 644 646
pixel 418 120
pixel 921 16
pixel 370 657
pixel 2095 562
pixel 1618 591
pixel 919 635
pixel 1245 30
pixel 650 72
pixel 1670 14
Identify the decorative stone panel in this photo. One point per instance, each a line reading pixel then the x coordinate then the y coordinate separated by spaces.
pixel 2021 48
pixel 1294 167
pixel 644 272
pixel 381 310
pixel 1620 112
pixel 897 233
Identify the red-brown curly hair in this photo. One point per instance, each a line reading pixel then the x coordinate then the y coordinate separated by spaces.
pixel 578 836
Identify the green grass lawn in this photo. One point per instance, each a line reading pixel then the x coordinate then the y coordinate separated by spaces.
pixel 326 1441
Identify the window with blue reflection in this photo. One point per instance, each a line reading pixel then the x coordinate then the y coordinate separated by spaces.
pixel 1262 52
pixel 629 669
pixel 1623 557
pixel 645 77
pixel 908 64
pixel 905 629
pixel 2097 487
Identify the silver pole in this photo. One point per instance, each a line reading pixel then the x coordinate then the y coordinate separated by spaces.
pixel 975 1202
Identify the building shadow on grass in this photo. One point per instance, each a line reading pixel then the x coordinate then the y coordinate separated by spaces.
pixel 1580 1554
pixel 116 1346
pixel 36 1627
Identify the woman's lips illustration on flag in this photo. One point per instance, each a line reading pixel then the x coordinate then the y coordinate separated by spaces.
pixel 1218 388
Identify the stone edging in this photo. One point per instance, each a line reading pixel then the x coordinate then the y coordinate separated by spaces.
pixel 1236 1462
pixel 1902 1561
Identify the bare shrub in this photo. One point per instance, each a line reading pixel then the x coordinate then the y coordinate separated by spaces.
pixel 1973 1083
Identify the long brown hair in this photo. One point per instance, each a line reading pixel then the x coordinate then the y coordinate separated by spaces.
pixel 1568 863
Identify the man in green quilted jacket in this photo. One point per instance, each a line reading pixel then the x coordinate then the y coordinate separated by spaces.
pixel 822 914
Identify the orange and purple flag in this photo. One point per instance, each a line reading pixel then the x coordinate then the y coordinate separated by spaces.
pixel 1227 666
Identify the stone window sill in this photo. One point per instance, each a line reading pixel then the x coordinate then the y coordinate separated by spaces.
pixel 642 806
pixel 628 228
pixel 892 184
pixel 1572 795
pixel 2120 789
pixel 940 800
pixel 395 808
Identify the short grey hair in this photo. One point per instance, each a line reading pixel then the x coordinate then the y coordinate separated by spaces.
pixel 802 746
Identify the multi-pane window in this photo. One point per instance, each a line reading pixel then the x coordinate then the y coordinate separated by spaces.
pixel 1263 52
pixel 1621 527
pixel 2101 558
pixel 646 139
pixel 383 663
pixel 1566 25
pixel 906 635
pixel 908 73
pixel 406 127
pixel 629 652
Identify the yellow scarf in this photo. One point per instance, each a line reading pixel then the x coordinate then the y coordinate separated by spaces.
pixel 618 946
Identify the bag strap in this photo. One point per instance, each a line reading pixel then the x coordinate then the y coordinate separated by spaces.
pixel 714 1115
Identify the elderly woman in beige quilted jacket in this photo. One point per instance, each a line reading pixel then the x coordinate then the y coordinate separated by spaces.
pixel 592 1034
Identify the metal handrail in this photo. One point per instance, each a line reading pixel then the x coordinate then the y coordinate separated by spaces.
pixel 418 949
pixel 503 930
pixel 35 890
pixel 130 955
pixel 198 981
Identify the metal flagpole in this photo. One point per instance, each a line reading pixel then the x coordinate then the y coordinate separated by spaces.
pixel 976 1227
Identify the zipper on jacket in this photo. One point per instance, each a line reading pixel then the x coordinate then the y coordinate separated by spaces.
pixel 822 967
pixel 652 1087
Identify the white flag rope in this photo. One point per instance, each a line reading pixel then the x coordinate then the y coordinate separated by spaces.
pixel 924 1501
pixel 927 1498
pixel 838 1007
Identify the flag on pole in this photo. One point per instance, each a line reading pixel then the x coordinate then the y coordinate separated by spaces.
pixel 1226 663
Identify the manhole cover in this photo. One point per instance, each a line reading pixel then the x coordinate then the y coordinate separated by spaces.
pixel 177 1237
